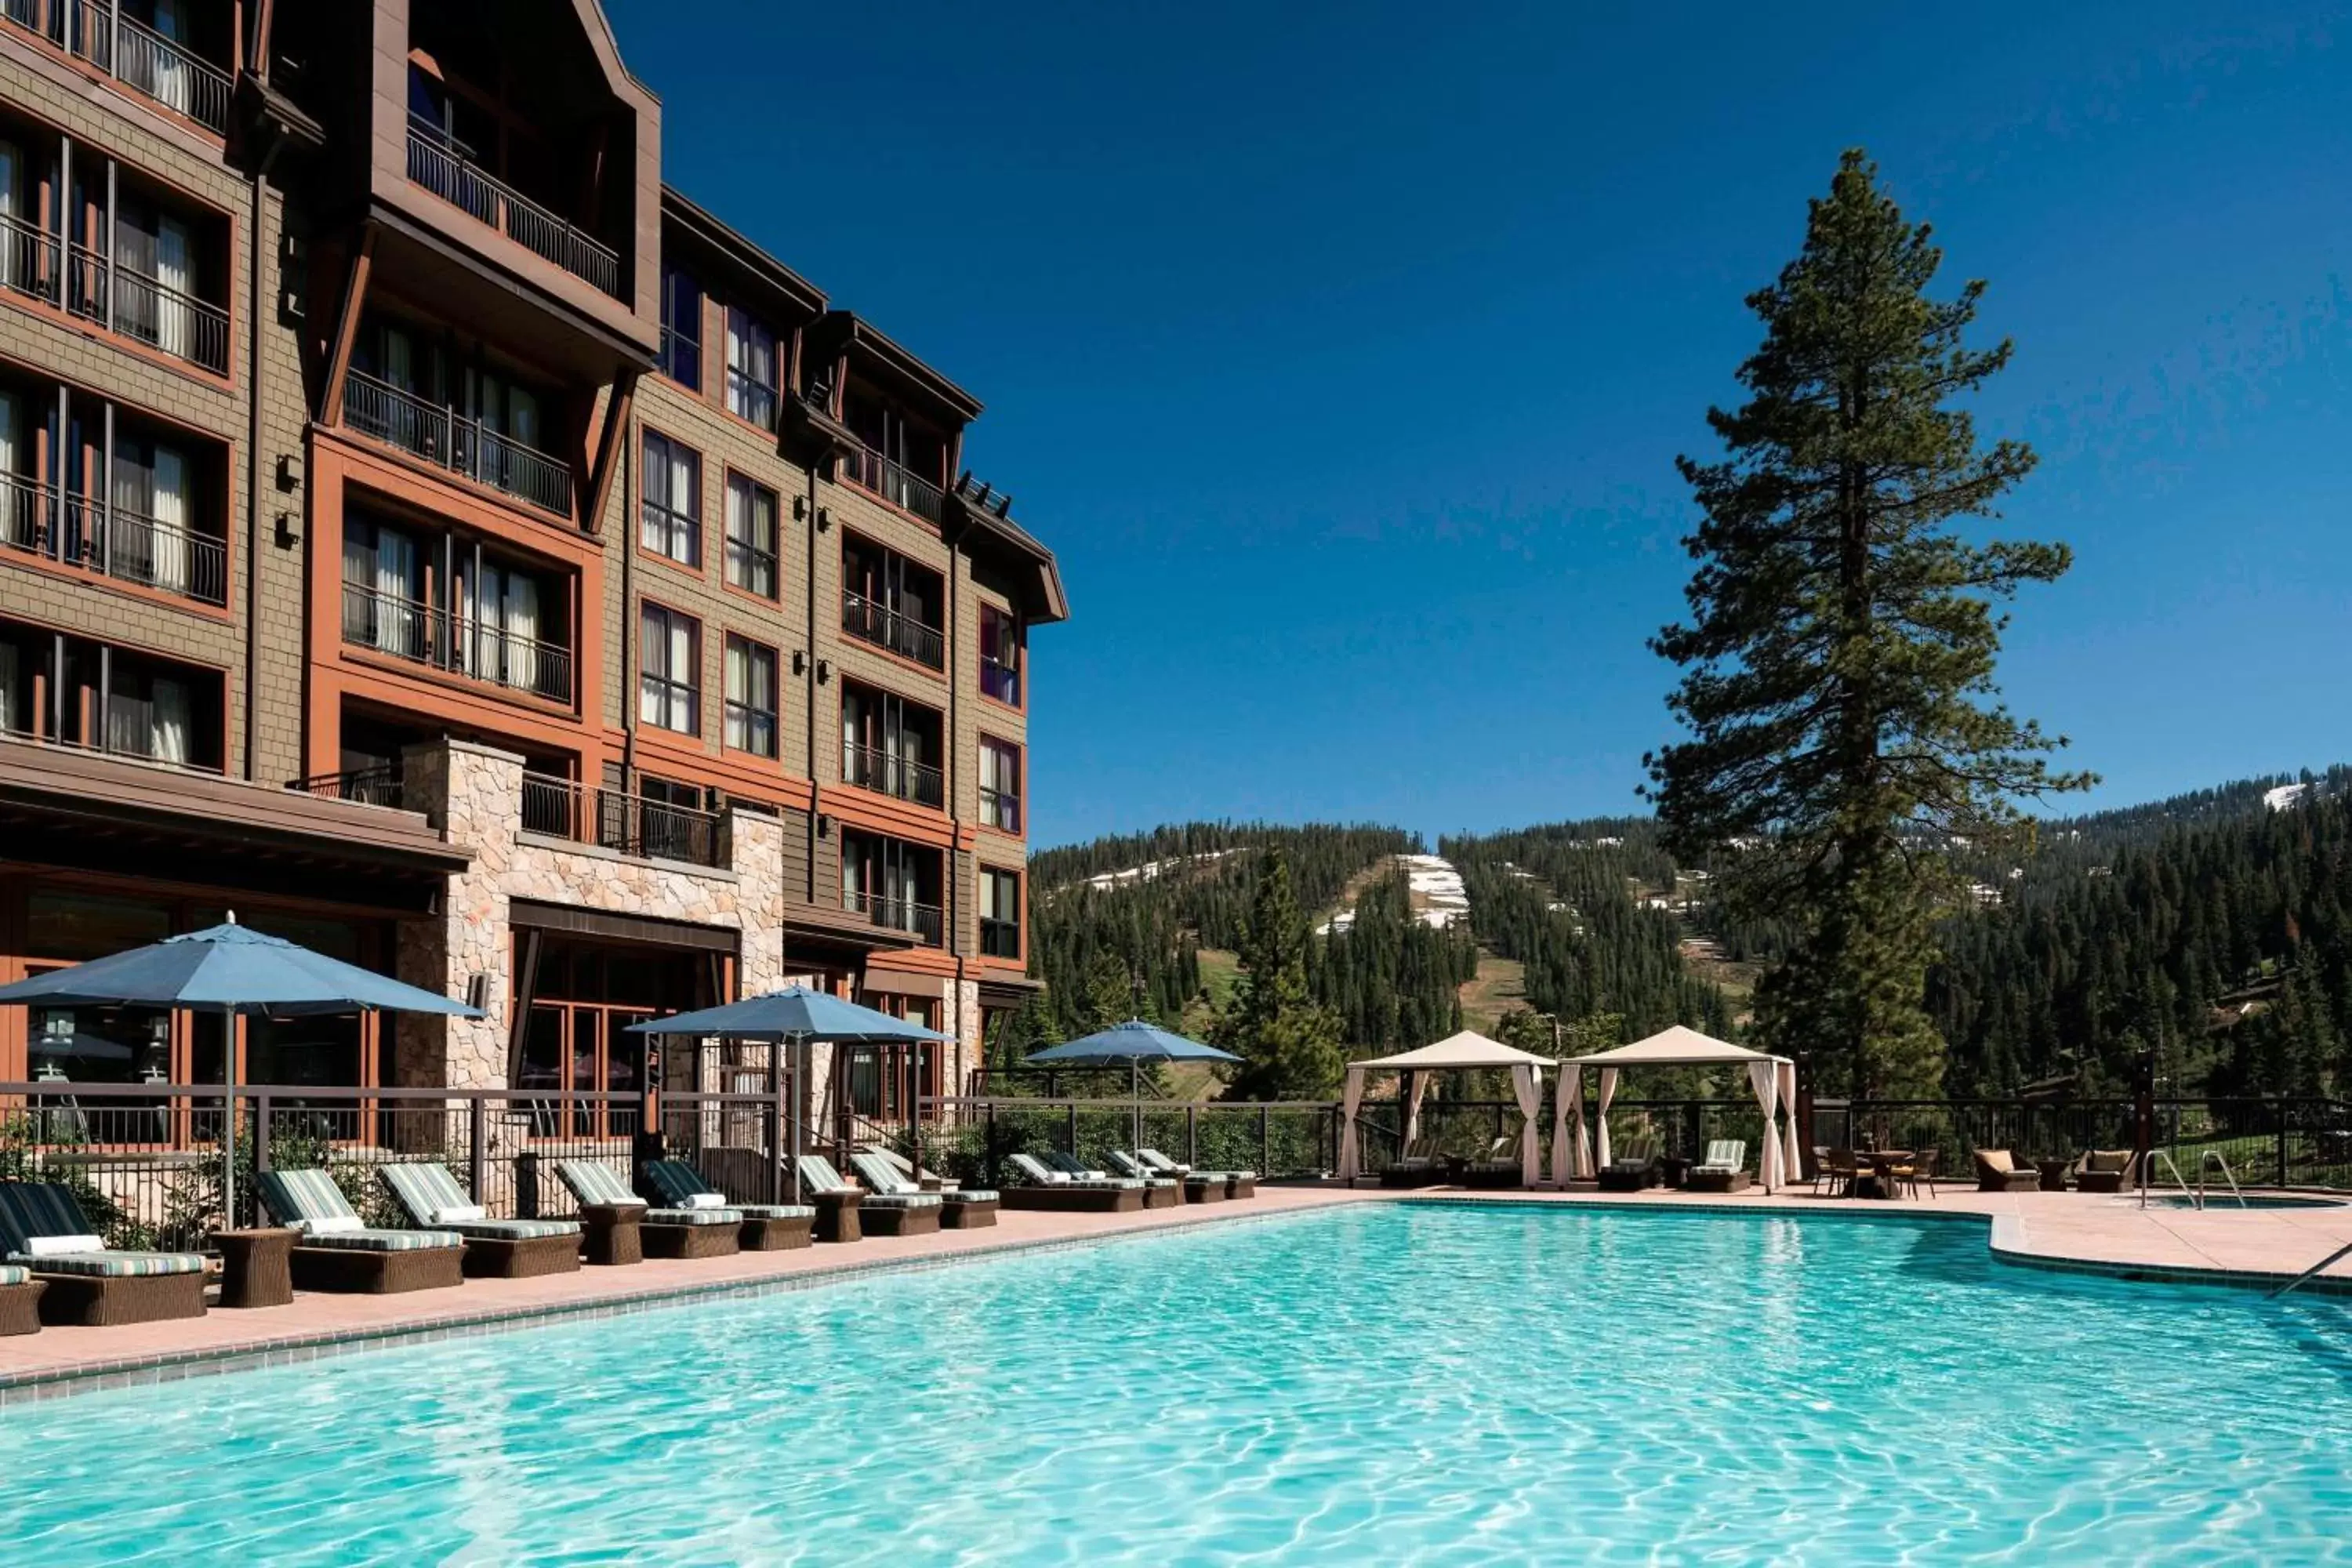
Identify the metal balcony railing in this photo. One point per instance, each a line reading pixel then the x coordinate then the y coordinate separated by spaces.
pixel 450 440
pixel 138 57
pixel 380 785
pixel 886 773
pixel 894 482
pixel 902 634
pixel 925 920
pixel 440 165
pixel 618 820
pixel 28 260
pixel 446 639
pixel 124 299
pixel 128 546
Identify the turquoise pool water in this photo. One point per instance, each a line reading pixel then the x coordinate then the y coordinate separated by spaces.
pixel 1383 1385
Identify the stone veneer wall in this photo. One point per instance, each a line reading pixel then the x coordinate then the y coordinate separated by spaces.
pixel 473 794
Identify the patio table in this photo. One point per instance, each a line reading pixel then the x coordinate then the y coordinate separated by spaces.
pixel 2053 1173
pixel 256 1266
pixel 613 1232
pixel 1880 1181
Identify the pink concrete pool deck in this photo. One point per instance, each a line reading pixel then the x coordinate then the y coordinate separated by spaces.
pixel 2060 1230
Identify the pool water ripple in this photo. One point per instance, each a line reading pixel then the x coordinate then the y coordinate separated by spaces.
pixel 1409 1385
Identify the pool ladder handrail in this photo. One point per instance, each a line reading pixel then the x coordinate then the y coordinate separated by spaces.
pixel 2196 1195
pixel 2314 1271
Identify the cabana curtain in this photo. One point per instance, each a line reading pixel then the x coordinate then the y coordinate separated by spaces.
pixel 1352 1099
pixel 1601 1114
pixel 1528 1086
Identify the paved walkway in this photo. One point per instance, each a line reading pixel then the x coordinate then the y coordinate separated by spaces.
pixel 2063 1230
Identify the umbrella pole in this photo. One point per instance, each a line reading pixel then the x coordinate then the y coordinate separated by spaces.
pixel 1135 1100
pixel 228 1117
pixel 797 1048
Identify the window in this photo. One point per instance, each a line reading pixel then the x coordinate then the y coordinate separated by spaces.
pixel 893 883
pixel 670 664
pixel 887 600
pixel 1000 654
pixel 750 369
pixel 750 697
pixel 105 699
pixel 1000 785
pixel 681 328
pixel 1000 914
pixel 751 536
pixel 384 589
pixel 888 744
pixel 671 492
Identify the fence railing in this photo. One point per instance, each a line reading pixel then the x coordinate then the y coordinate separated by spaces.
pixel 448 640
pixel 968 1138
pixel 450 440
pixel 894 482
pixel 382 785
pixel 135 55
pixel 28 260
pixel 620 821
pixel 901 633
pixel 113 542
pixel 145 307
pixel 925 920
pixel 886 773
pixel 441 166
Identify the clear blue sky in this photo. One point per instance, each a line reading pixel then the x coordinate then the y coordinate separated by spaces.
pixel 1342 351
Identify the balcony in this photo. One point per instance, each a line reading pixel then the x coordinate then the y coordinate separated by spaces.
pixel 380 786
pixel 112 542
pixel 613 819
pixel 441 638
pixel 123 300
pixel 885 772
pixel 894 482
pixel 901 634
pixel 453 441
pixel 443 166
pixel 925 922
pixel 28 261
pixel 1000 939
pixel 138 57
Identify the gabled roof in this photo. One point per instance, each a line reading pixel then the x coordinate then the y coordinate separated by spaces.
pixel 739 251
pixel 1677 1047
pixel 1467 1050
pixel 868 348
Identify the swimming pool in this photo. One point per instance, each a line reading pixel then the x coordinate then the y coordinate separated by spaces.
pixel 1373 1384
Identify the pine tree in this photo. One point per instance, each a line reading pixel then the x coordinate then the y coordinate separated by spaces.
pixel 1838 663
pixel 1289 1045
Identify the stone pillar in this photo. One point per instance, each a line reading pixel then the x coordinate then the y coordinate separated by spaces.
pixel 473 794
pixel 756 856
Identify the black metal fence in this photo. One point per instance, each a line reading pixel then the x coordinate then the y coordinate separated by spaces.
pixel 969 1139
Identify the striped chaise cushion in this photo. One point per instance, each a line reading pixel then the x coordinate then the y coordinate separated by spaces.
pixel 14 1274
pixel 28 1209
pixel 677 1182
pixel 1168 1167
pixel 970 1195
pixel 304 1197
pixel 427 1190
pixel 817 1175
pixel 1725 1154
pixel 1035 1168
pixel 594 1183
pixel 694 1216
pixel 385 1240
pixel 776 1211
pixel 121 1265
pixel 890 1190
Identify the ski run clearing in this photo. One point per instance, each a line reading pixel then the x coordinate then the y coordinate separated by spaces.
pixel 1436 890
pixel 1153 870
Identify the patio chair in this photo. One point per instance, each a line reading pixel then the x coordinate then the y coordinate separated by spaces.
pixel 1997 1172
pixel 961 1208
pixel 700 1230
pixel 1917 1172
pixel 1418 1166
pixel 767 1227
pixel 70 1276
pixel 1634 1171
pixel 1839 1168
pixel 1043 1187
pixel 2104 1171
pixel 884 1213
pixel 1238 1183
pixel 1191 1187
pixel 1159 1191
pixel 335 1251
pixel 495 1248
pixel 1721 1171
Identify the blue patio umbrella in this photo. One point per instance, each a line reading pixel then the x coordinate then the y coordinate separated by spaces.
pixel 234 971
pixel 1134 1042
pixel 794 1019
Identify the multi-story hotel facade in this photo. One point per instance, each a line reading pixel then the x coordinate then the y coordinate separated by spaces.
pixel 427 535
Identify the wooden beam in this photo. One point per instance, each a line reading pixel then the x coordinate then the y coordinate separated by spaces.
pixel 347 328
pixel 618 411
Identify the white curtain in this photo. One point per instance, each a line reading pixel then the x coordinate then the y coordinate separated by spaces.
pixel 1792 1156
pixel 1413 1109
pixel 172 321
pixel 1766 1080
pixel 396 625
pixel 739 694
pixel 11 161
pixel 10 720
pixel 175 83
pixel 1351 1098
pixel 169 510
pixel 1564 1104
pixel 15 500
pixel 522 639
pixel 168 741
pixel 1601 1110
pixel 1528 1086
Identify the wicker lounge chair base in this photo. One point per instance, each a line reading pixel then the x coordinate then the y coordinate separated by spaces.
pixel 1163 1196
pixel 1201 1190
pixel 1074 1200
pixel 888 1220
pixel 1613 1179
pixel 966 1214
pixel 690 1241
pixel 1408 1176
pixel 1717 1182
pixel 1241 1186
pixel 763 1235
pixel 20 1308
pixel 1491 1178
pixel 83 1300
pixel 353 1270
pixel 836 1216
pixel 526 1258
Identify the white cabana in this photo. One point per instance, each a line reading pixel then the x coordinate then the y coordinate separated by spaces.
pixel 1464 1051
pixel 1774 1079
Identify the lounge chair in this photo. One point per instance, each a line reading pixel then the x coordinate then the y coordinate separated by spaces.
pixel 700 1230
pixel 961 1208
pixel 1499 1168
pixel 73 1278
pixel 20 1300
pixel 1418 1166
pixel 1997 1172
pixel 767 1227
pixel 1721 1171
pixel 884 1213
pixel 1238 1183
pixel 2104 1171
pixel 335 1251
pixel 1190 1187
pixel 495 1248
pixel 1634 1171
pixel 1159 1191
pixel 1042 1187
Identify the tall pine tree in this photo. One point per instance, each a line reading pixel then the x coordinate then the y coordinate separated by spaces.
pixel 1838 661
pixel 1289 1046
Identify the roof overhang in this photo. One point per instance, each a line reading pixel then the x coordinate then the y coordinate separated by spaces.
pixel 800 299
pixel 992 536
pixel 840 332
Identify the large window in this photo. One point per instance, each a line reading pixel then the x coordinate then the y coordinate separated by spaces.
pixel 1000 785
pixel 888 600
pixel 1000 654
pixel 671 520
pixel 893 883
pixel 669 663
pixel 100 697
pixel 750 369
pixel 1000 914
pixel 890 745
pixel 681 328
pixel 750 697
pixel 751 536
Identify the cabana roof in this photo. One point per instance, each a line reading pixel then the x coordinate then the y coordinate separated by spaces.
pixel 1467 1050
pixel 1674 1047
